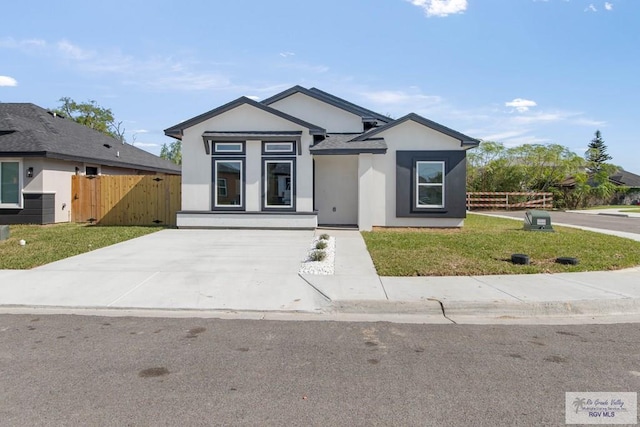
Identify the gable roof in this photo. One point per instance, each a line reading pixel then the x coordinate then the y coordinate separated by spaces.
pixel 345 143
pixel 464 139
pixel 365 114
pixel 29 130
pixel 176 130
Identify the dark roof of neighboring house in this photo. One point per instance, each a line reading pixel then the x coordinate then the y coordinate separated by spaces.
pixel 464 139
pixel 28 130
pixel 345 143
pixel 176 131
pixel 625 178
pixel 367 115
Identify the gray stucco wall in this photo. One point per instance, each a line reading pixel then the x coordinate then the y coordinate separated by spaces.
pixel 454 180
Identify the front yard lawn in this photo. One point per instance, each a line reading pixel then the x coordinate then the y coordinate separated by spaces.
pixel 485 244
pixel 48 243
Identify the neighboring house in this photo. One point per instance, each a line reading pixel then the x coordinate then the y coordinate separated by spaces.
pixel 304 158
pixel 626 179
pixel 40 151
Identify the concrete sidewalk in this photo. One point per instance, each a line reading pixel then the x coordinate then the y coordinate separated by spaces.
pixel 254 274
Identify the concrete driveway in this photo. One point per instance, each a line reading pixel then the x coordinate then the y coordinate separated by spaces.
pixel 177 269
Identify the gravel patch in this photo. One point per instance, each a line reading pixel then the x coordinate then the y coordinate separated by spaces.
pixel 326 266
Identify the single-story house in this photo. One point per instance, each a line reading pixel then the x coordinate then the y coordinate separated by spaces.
pixel 40 151
pixel 304 158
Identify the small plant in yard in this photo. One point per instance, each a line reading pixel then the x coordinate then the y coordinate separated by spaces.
pixel 324 236
pixel 317 255
pixel 321 244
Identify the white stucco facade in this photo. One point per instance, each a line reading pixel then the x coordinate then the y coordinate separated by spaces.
pixel 346 164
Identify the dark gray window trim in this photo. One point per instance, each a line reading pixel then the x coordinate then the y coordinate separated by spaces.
pixel 292 152
pixel 294 183
pixel 454 184
pixel 214 185
pixel 228 153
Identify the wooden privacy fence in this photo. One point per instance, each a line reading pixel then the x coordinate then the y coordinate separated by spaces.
pixel 125 199
pixel 514 200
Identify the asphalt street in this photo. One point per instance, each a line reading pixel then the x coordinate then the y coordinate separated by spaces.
pixel 83 370
pixel 605 222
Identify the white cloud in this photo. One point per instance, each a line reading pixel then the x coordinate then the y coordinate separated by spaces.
pixel 286 54
pixel 140 131
pixel 440 7
pixel 591 8
pixel 146 144
pixel 72 51
pixel 8 81
pixel 254 97
pixel 520 104
pixel 608 6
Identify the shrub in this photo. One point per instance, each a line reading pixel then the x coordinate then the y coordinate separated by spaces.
pixel 324 236
pixel 318 255
pixel 321 244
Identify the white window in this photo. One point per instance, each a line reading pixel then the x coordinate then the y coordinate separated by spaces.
pixel 278 181
pixel 278 147
pixel 429 184
pixel 10 184
pixel 228 183
pixel 227 147
pixel 222 187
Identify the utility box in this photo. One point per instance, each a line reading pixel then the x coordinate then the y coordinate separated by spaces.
pixel 537 221
pixel 4 232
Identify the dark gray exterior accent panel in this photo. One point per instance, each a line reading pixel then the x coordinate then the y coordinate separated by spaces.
pixel 37 209
pixel 455 185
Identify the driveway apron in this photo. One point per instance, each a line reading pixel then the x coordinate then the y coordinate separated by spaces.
pixel 177 269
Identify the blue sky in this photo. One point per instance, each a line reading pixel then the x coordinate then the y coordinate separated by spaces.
pixel 514 71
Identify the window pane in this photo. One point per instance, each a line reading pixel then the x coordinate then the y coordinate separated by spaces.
pixel 9 182
pixel 278 183
pixel 429 195
pixel 278 147
pixel 222 147
pixel 228 183
pixel 430 172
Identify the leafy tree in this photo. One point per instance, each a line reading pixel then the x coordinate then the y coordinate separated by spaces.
pixel 92 115
pixel 596 154
pixel 172 152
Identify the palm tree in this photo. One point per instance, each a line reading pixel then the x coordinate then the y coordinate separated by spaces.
pixel 579 403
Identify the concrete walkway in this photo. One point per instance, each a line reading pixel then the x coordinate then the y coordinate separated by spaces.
pixel 254 274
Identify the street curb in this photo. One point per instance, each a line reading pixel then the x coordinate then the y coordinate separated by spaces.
pixel 609 307
pixel 614 214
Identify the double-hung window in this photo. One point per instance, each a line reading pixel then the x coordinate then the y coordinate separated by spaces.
pixel 429 184
pixel 10 184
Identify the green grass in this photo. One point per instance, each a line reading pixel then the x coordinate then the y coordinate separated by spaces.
pixel 636 210
pixel 485 244
pixel 48 243
pixel 605 207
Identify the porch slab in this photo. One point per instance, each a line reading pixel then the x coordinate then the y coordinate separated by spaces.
pixel 253 220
